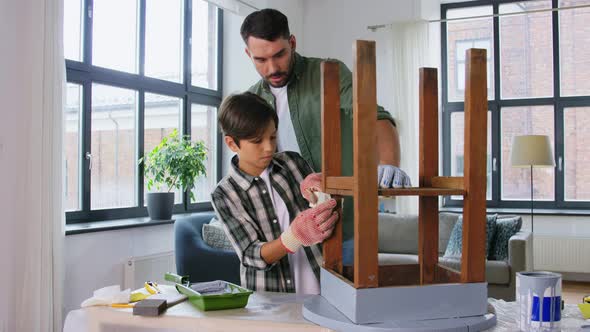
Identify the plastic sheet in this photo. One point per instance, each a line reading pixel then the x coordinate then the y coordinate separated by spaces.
pixel 107 295
pixel 507 315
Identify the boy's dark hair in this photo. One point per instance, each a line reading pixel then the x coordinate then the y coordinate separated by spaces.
pixel 245 116
pixel 267 24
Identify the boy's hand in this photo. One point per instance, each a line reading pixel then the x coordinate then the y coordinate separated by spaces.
pixel 310 226
pixel 309 185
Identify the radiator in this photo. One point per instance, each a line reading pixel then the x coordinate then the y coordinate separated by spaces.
pixel 562 254
pixel 138 270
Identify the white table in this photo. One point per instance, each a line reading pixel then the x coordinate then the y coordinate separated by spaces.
pixel 264 312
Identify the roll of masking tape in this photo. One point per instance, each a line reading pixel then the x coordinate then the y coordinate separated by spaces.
pixel 320 198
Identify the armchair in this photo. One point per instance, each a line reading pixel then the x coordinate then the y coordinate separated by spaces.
pixel 196 258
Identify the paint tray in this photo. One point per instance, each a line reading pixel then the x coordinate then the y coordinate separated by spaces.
pixel 233 297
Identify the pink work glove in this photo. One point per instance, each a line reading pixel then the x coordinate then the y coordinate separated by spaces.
pixel 310 226
pixel 309 185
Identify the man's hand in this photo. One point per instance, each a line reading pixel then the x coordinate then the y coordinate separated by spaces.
pixel 310 226
pixel 389 176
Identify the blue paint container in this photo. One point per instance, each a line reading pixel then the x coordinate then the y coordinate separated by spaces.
pixel 539 301
pixel 551 306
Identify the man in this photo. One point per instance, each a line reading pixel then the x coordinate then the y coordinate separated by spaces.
pixel 291 84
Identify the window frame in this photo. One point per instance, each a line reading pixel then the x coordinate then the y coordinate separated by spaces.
pixel 558 102
pixel 85 74
pixel 457 62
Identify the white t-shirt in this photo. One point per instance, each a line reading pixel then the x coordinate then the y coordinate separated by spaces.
pixel 286 139
pixel 305 280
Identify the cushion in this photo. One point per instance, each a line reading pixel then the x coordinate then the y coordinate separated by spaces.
pixel 397 259
pixel 398 234
pixel 446 223
pixel 214 235
pixel 505 229
pixel 497 272
pixel 455 245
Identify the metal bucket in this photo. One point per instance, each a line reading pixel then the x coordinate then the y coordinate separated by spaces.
pixel 539 301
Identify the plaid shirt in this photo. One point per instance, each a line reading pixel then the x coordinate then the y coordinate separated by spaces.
pixel 244 206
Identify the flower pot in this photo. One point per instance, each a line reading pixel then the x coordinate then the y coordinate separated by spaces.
pixel 160 205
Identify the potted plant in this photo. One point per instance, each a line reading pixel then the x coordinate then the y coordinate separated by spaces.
pixel 176 163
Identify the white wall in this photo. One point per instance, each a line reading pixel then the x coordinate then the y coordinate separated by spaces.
pixel 96 260
pixel 567 226
pixel 331 27
pixel 238 71
pixel 327 28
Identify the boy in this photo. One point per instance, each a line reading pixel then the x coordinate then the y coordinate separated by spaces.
pixel 260 203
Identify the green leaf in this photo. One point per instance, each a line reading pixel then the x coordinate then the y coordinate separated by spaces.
pixel 176 162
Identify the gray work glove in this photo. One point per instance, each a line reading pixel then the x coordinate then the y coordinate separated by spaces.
pixel 389 176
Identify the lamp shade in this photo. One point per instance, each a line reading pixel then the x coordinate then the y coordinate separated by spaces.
pixel 531 150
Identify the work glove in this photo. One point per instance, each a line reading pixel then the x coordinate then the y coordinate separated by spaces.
pixel 389 176
pixel 310 189
pixel 310 226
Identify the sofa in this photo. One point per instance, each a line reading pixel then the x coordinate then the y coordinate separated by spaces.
pixel 398 244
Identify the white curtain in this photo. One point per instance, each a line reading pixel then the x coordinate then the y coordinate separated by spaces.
pixel 409 42
pixel 31 93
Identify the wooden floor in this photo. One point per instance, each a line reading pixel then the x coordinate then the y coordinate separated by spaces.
pixel 573 291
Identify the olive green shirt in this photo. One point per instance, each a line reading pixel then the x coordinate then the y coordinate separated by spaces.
pixel 303 92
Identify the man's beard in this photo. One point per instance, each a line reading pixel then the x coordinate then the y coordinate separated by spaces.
pixel 286 75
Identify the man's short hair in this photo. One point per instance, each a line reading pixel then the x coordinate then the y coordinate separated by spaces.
pixel 245 116
pixel 268 24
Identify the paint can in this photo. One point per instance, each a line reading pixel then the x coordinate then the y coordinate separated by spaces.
pixel 539 301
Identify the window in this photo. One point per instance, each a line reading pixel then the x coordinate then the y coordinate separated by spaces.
pixel 573 49
pixel 162 115
pixel 457 142
pixel 526 55
pixel 204 45
pixel 113 146
pixel 136 70
pixel 537 84
pixel 73 29
pixel 576 153
pixel 72 113
pixel 202 118
pixel 163 39
pixel 115 30
pixel 461 36
pixel 515 183
pixel 461 47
